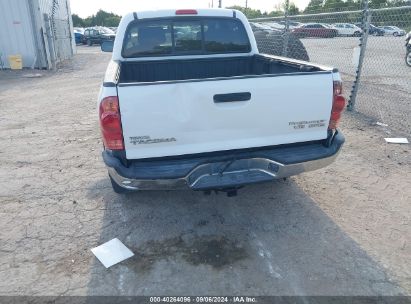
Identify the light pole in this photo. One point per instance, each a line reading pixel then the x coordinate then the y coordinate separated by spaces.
pixel 220 5
pixel 246 4
pixel 286 28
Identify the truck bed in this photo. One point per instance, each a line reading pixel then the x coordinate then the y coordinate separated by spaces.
pixel 184 69
pixel 178 117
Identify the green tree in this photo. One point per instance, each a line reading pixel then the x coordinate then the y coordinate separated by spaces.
pixel 249 12
pixel 314 6
pixel 352 5
pixel 101 18
pixel 333 6
pixel 275 13
pixel 293 9
pixel 378 3
pixel 252 13
pixel 87 22
pixel 77 21
pixel 112 21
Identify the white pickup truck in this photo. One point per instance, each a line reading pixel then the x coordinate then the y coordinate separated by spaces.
pixel 188 102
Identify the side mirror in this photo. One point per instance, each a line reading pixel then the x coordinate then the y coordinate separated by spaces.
pixel 107 46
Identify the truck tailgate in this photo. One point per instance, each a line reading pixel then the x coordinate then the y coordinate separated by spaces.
pixel 186 117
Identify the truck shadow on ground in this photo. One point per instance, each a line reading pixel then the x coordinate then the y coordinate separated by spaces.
pixel 271 239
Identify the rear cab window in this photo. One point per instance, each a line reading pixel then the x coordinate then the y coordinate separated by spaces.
pixel 185 36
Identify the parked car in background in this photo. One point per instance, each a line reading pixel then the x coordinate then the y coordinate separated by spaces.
pixel 97 35
pixel 261 27
pixel 275 25
pixel 113 28
pixel 408 49
pixel 78 37
pixel 78 34
pixel 212 113
pixel 376 31
pixel 280 25
pixel 347 29
pixel 318 30
pixel 372 30
pixel 392 30
pixel 271 41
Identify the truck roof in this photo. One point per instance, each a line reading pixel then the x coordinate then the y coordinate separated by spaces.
pixel 212 12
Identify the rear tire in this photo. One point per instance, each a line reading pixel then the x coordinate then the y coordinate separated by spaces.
pixel 357 34
pixel 272 44
pixel 89 42
pixel 118 189
pixel 395 34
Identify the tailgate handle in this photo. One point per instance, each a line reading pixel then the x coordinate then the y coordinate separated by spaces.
pixel 243 96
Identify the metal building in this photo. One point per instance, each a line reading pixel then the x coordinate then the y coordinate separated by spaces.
pixel 41 31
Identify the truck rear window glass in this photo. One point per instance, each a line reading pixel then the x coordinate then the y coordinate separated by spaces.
pixel 225 36
pixel 187 36
pixel 162 37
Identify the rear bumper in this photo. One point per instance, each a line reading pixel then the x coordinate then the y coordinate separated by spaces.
pixel 224 169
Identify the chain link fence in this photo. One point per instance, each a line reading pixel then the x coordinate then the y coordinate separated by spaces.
pixel 385 85
pixel 63 38
pixel 58 27
pixel 364 44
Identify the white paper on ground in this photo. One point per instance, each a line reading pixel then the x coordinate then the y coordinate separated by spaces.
pixel 398 140
pixel 381 124
pixel 112 252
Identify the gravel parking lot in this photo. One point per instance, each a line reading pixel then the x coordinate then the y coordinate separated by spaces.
pixel 342 230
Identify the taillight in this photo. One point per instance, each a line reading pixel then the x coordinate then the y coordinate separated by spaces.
pixel 110 123
pixel 186 12
pixel 338 105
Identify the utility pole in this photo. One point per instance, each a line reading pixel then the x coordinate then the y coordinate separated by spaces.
pixel 366 20
pixel 220 5
pixel 246 4
pixel 212 3
pixel 286 28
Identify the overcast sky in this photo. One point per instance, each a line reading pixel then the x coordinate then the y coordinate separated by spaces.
pixel 85 8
